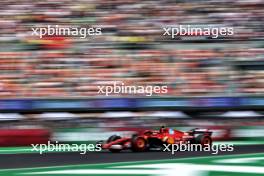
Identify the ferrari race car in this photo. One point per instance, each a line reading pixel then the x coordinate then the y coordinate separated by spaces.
pixel 155 139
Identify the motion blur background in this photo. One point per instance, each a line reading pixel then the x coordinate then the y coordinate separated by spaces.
pixel 48 86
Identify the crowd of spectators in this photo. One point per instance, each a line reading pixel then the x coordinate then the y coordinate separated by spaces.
pixel 131 48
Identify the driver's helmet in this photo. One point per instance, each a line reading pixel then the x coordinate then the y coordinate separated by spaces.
pixel 171 131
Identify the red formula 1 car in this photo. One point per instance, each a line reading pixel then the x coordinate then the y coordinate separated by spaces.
pixel 155 139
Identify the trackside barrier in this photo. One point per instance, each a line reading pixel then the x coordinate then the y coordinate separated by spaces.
pixel 23 137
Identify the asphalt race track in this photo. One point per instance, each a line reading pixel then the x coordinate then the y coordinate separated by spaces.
pixel 59 159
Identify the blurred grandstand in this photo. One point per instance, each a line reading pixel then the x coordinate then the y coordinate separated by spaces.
pixel 131 49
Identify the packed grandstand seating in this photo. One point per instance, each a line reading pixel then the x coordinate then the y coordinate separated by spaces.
pixel 74 67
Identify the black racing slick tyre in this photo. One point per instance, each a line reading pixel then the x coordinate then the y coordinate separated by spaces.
pixel 139 144
pixel 204 140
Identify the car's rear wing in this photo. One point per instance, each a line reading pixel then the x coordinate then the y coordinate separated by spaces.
pixel 201 131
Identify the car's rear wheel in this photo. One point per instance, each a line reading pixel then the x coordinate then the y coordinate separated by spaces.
pixel 204 140
pixel 139 144
pixel 112 139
